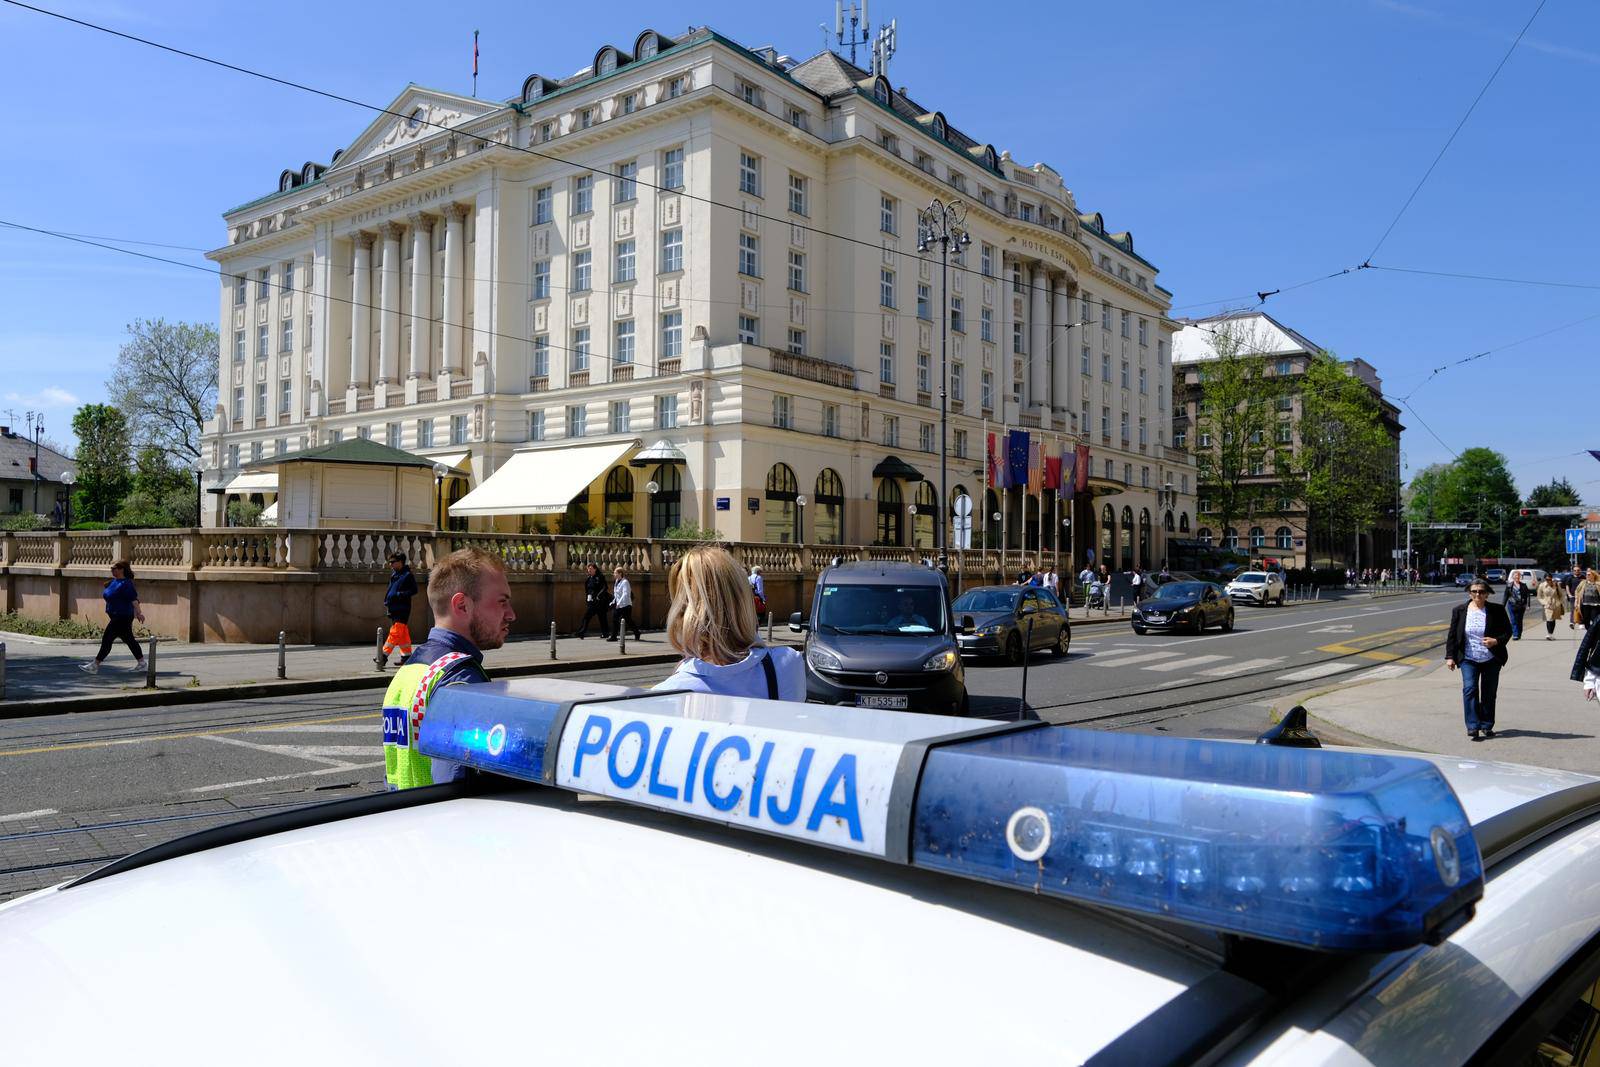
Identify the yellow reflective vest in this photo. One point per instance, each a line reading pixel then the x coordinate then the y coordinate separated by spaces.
pixel 404 705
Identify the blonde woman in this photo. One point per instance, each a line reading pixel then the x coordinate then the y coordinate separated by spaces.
pixel 1553 599
pixel 712 621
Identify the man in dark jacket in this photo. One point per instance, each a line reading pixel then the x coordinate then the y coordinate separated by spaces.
pixel 596 603
pixel 1476 645
pixel 397 602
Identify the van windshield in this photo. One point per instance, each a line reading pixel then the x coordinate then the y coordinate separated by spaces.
pixel 881 609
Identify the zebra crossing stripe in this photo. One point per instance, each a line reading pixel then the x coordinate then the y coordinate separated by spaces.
pixel 1241 667
pixel 1148 657
pixel 1183 664
pixel 1318 670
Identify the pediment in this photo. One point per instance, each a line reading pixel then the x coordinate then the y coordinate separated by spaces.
pixel 425 111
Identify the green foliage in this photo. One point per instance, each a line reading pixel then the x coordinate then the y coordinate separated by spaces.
pixel 574 521
pixel 690 531
pixel 76 525
pixel 1347 457
pixel 1543 537
pixel 606 529
pixel 1237 417
pixel 11 622
pixel 244 513
pixel 162 495
pixel 166 382
pixel 103 453
pixel 22 520
pixel 1476 487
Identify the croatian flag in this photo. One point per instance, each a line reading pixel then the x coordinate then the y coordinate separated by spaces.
pixel 1017 458
pixel 996 464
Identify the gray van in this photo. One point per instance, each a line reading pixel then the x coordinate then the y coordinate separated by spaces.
pixel 881 635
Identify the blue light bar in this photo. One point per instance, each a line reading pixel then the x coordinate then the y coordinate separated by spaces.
pixel 1323 849
pixel 503 728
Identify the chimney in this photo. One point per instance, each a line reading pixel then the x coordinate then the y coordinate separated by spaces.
pixel 5 431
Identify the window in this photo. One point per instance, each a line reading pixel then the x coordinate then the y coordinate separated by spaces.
pixel 1285 433
pixel 536 425
pixel 924 301
pixel 749 174
pixel 958 318
pixel 577 420
pixel 1283 537
pixel 797 341
pixel 1143 387
pixel 627 187
pixel 424 433
pixel 581 264
pixel 671 250
pixel 619 416
pixel 1105 316
pixel 264 285
pixel 986 260
pixel 391 435
pixel 543 205
pixel 672 168
pixel 580 348
pixel 749 330
pixel 750 255
pixel 750 94
pixel 1083 360
pixel 288 277
pixel 676 87
pixel 286 397
pixel 1125 374
pixel 1083 419
pixel 886 363
pixel 667 411
pixel 886 287
pixel 889 141
pixel 1105 422
pixel 238 346
pixel 797 271
pixel 1205 439
pixel 541 355
pixel 1125 323
pixel 261 339
pixel 1144 433
pixel 630 104
pixel 1285 367
pixel 1127 474
pixel 1286 403
pixel 1144 477
pixel 1105 367
pixel 261 400
pixel 960 444
pixel 924 372
pixel 458 429
pixel 986 390
pixel 623 336
pixel 1016 336
pixel 238 291
pixel 310 323
pixel 1144 331
pixel 958 378
pixel 925 437
pixel 585 118
pixel 623 259
pixel 255 451
pixel 891 431
pixel 986 324
pixel 1258 467
pixel 233 455
pixel 583 194
pixel 830 420
pixel 541 280
pixel 547 132
pixel 797 194
pixel 782 411
pixel 671 334
pixel 886 213
pixel 797 118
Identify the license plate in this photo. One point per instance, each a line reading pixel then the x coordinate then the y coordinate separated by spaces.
pixel 883 700
pixel 1155 618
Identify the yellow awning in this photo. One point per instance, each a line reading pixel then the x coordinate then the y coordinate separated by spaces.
pixel 541 482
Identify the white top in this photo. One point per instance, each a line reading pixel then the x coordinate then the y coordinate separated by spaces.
pixel 622 594
pixel 747 678
pixel 1477 622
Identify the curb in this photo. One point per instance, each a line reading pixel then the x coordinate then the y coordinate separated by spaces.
pixel 135 700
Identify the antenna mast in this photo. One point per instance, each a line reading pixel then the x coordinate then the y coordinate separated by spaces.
pixel 883 47
pixel 860 26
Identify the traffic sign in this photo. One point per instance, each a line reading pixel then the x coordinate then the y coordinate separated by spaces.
pixel 1576 542
pixel 1577 509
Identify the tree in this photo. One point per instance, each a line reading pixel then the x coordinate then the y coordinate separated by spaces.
pixel 1346 455
pixel 1235 427
pixel 1475 487
pixel 1541 537
pixel 166 382
pixel 103 475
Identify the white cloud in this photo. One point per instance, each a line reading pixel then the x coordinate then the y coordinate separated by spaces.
pixel 48 397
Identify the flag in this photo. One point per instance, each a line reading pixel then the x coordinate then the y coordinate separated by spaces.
pixel 996 464
pixel 1035 466
pixel 474 53
pixel 1081 469
pixel 1595 452
pixel 1069 474
pixel 1052 467
pixel 1017 458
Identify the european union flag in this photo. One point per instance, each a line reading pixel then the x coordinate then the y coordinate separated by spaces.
pixel 1017 458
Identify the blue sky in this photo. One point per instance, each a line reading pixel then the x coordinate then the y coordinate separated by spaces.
pixel 1248 145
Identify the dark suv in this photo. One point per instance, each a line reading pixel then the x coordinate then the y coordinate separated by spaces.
pixel 882 636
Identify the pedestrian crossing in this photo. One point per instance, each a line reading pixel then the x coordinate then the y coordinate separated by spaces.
pixel 1220 665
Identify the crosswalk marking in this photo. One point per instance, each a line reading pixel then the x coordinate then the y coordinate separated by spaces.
pixel 1148 657
pixel 1241 667
pixel 1116 650
pixel 1318 670
pixel 1183 664
pixel 1391 670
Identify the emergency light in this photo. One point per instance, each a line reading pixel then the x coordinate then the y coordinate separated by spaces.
pixel 1315 848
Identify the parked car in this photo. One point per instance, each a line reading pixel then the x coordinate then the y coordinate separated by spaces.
pixel 995 619
pixel 1258 587
pixel 1465 579
pixel 1495 575
pixel 881 635
pixel 1188 606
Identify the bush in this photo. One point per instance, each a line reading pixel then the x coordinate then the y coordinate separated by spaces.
pixel 22 520
pixel 689 531
pixel 244 513
pixel 608 529
pixel 94 526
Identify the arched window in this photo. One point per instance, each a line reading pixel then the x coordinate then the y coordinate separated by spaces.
pixel 1230 538
pixel 1108 529
pixel 889 510
pixel 619 500
pixel 1183 522
pixel 782 514
pixel 454 490
pixel 666 503
pixel 1204 534
pixel 922 523
pixel 1283 537
pixel 1144 537
pixel 1126 539
pixel 1258 537
pixel 1166 523
pixel 939 128
pixel 880 91
pixel 827 516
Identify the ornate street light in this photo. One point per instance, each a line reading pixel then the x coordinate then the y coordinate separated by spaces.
pixel 942 224
pixel 69 479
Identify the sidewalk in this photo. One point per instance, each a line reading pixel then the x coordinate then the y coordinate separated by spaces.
pixel 1541 717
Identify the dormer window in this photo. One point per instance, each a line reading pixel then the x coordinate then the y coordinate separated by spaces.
pixel 606 62
pixel 939 127
pixel 880 91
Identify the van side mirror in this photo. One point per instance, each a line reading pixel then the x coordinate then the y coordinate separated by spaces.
pixel 798 624
pixel 968 624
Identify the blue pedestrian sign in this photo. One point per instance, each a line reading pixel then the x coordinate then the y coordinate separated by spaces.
pixel 1576 543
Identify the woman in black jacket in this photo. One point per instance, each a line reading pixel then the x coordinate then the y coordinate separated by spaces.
pixel 1476 644
pixel 596 603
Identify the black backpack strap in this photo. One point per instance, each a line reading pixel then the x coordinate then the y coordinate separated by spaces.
pixel 771 673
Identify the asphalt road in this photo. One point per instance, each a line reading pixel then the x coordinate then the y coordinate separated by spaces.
pixel 76 790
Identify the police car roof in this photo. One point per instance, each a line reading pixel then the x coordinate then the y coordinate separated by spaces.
pixel 873 572
pixel 445 926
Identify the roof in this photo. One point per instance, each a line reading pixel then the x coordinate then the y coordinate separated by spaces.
pixel 866 571
pixel 1263 334
pixel 359 450
pixel 16 452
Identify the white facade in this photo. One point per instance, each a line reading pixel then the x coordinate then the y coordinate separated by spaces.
pixel 645 251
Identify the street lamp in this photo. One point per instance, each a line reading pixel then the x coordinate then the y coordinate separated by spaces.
pixel 651 488
pixel 199 507
pixel 439 471
pixel 69 479
pixel 800 519
pixel 942 224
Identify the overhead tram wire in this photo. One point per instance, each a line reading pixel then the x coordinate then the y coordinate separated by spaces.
pixel 1448 141
pixel 526 150
pixel 1498 348
pixel 1425 426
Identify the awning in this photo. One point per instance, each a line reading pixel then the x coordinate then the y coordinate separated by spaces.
pixel 541 482
pixel 269 516
pixel 895 467
pixel 253 482
pixel 453 460
pixel 663 451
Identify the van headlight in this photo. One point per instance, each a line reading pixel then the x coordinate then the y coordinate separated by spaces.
pixel 940 661
pixel 821 659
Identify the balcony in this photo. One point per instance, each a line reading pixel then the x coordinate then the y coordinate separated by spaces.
pixel 577 378
pixel 622 372
pixel 886 390
pixel 813 369
pixel 670 366
pixel 460 389
pixel 539 383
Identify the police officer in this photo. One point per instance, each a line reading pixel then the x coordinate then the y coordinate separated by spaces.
pixel 397 603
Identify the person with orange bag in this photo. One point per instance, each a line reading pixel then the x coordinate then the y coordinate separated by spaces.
pixel 397 602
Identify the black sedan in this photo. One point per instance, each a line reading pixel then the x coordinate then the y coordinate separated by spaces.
pixel 1002 614
pixel 1190 606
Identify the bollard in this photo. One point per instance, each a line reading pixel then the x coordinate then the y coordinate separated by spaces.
pixel 150 664
pixel 1027 654
pixel 552 639
pixel 622 639
pixel 282 665
pixel 379 660
pixel 769 627
pixel 2 670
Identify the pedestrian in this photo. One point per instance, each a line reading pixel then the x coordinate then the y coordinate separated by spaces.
pixel 713 622
pixel 122 609
pixel 1570 584
pixel 1476 645
pixel 1086 578
pixel 1554 602
pixel 1516 603
pixel 1586 668
pixel 758 586
pixel 1586 600
pixel 596 603
pixel 1052 582
pixel 472 614
pixel 622 606
pixel 397 603
pixel 1138 585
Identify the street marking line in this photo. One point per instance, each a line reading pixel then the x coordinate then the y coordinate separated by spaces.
pixel 1189 661
pixel 279 750
pixel 376 729
pixel 41 813
pixel 1240 668
pixel 1392 670
pixel 1320 670
pixel 172 737
pixel 285 777
pixel 1148 657
pixel 1295 625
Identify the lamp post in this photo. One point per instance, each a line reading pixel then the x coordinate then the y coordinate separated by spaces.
pixel 199 506
pixel 69 479
pixel 439 471
pixel 800 519
pixel 651 488
pixel 942 224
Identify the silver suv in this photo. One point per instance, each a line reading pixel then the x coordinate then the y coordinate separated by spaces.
pixel 1257 587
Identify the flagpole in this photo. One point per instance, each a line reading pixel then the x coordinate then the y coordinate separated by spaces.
pixel 474 64
pixel 988 474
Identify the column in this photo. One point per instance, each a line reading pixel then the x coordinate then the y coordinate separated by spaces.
pixel 1004 356
pixel 1039 338
pixel 421 293
pixel 455 241
pixel 1061 352
pixel 361 314
pixel 389 320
